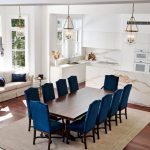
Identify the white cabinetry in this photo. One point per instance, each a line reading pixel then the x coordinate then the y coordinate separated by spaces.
pixel 66 70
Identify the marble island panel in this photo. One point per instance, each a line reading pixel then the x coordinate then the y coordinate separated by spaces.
pixel 140 93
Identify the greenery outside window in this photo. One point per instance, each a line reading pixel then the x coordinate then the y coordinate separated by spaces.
pixel 18 46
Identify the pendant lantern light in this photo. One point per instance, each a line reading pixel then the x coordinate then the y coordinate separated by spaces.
pixel 20 25
pixel 131 28
pixel 68 26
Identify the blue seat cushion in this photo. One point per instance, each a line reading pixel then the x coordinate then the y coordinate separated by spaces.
pixel 77 126
pixel 18 77
pixel 55 125
pixel 2 82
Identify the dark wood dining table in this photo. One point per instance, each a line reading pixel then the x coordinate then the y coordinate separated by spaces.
pixel 74 105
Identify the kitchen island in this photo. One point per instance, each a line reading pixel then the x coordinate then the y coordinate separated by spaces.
pixel 66 70
pixel 140 93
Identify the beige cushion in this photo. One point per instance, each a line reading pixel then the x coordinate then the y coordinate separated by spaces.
pixel 2 90
pixel 1 74
pixel 23 84
pixel 8 87
pixel 14 85
pixel 8 76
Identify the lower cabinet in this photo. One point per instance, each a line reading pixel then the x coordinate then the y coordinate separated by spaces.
pixel 65 71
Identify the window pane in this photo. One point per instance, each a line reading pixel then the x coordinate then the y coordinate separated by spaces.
pixel 17 42
pixel 59 23
pixel 75 35
pixel 18 59
pixel 59 36
pixel 64 45
pixel 15 22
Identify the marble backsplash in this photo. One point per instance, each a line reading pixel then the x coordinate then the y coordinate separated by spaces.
pixel 105 55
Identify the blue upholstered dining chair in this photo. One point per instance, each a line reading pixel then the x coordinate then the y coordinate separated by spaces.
pixel 61 87
pixel 48 92
pixel 124 100
pixel 86 124
pixel 31 94
pixel 73 83
pixel 103 112
pixel 114 107
pixel 110 83
pixel 42 121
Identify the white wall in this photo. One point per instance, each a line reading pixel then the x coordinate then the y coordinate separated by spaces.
pixel 35 31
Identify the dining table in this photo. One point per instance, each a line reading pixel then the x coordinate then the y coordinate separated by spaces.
pixel 74 105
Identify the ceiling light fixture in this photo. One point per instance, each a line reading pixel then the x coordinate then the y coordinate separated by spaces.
pixel 131 28
pixel 68 26
pixel 20 25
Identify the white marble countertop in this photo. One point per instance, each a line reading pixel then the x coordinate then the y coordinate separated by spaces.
pixel 132 71
pixel 72 65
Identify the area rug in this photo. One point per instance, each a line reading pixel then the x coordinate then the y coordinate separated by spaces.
pixel 16 137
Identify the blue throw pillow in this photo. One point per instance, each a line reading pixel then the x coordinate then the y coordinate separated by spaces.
pixel 18 77
pixel 2 82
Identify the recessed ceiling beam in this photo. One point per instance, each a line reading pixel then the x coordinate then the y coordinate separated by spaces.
pixel 139 22
pixel 64 2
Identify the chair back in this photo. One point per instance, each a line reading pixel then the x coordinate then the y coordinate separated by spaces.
pixel 73 83
pixel 40 116
pixel 31 94
pixel 115 103
pixel 125 96
pixel 104 108
pixel 111 82
pixel 48 92
pixel 91 116
pixel 61 87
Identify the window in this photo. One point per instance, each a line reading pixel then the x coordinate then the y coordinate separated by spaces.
pixel 18 45
pixel 72 47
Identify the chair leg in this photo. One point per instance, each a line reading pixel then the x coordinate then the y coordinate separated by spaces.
pixel 67 138
pixel 41 134
pixel 63 135
pixel 116 120
pixel 120 116
pixel 97 131
pixel 82 139
pixel 126 113
pixel 34 137
pixel 105 125
pixel 93 131
pixel 29 124
pixel 110 124
pixel 85 143
pixel 49 141
pixel 78 134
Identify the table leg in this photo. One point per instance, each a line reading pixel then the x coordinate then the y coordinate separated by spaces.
pixel 71 137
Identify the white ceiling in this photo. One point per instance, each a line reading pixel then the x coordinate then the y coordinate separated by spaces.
pixel 72 2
